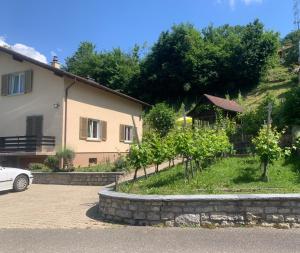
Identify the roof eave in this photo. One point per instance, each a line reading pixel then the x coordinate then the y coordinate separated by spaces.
pixel 62 73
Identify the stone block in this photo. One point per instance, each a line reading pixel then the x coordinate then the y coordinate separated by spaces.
pixel 139 215
pixel 124 213
pixel 282 225
pixel 132 207
pixel 255 210
pixel 219 217
pixel 271 210
pixel 274 218
pixel 153 216
pixel 204 209
pixel 167 215
pixel 283 210
pixel 187 220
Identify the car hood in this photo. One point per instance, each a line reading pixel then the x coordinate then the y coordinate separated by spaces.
pixel 17 170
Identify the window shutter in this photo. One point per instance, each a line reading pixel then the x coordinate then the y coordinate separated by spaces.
pixel 122 133
pixel 28 81
pixel 83 128
pixel 134 135
pixel 103 130
pixel 4 85
pixel 29 126
pixel 34 126
pixel 39 126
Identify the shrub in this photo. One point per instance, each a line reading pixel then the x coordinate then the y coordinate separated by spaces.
pixel 161 118
pixel 67 155
pixel 156 147
pixel 120 164
pixel 290 111
pixel 38 167
pixel 252 120
pixel 139 157
pixel 52 162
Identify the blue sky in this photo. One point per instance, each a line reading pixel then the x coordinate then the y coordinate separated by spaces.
pixel 43 28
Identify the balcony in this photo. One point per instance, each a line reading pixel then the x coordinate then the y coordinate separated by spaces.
pixel 27 144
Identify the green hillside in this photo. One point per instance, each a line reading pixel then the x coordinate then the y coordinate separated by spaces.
pixel 277 83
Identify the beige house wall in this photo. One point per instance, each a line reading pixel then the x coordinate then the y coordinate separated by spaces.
pixel 83 101
pixel 89 102
pixel 48 89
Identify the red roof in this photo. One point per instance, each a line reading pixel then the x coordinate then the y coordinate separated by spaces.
pixel 226 104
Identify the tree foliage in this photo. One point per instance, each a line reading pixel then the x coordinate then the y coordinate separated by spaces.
pixel 290 110
pixel 161 118
pixel 197 147
pixel 290 48
pixel 115 69
pixel 185 62
pixel 267 147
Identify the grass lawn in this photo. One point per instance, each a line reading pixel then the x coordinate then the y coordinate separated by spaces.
pixel 229 175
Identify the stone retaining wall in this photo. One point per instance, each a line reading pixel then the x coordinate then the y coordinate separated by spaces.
pixel 274 210
pixel 76 178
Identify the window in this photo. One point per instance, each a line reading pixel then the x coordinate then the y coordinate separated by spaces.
pixel 16 83
pixel 93 129
pixel 92 161
pixel 128 133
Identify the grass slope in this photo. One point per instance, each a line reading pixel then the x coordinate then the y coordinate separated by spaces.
pixel 230 175
pixel 277 83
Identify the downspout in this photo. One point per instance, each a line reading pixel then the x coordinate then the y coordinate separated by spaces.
pixel 66 111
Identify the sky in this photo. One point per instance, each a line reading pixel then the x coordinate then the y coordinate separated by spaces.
pixel 41 29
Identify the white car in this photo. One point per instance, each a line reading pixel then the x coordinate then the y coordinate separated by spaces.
pixel 14 178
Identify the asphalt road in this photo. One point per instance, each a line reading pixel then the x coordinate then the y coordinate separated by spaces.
pixel 147 239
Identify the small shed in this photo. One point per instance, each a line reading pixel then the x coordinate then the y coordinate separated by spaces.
pixel 206 108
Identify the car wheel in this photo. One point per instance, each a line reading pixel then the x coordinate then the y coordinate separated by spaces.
pixel 20 183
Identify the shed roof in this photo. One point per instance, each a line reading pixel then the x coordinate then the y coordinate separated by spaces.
pixel 62 73
pixel 225 104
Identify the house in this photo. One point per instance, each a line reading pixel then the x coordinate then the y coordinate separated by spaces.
pixel 206 109
pixel 44 109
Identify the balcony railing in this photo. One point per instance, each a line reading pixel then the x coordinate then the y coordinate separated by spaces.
pixel 13 144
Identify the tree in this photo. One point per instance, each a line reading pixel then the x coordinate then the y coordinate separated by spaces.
pixel 115 69
pixel 267 147
pixel 161 118
pixel 290 50
pixel 186 62
pixel 84 61
pixel 290 110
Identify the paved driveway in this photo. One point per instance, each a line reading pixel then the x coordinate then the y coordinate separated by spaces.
pixel 50 206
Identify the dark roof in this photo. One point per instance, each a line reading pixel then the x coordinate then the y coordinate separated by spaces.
pixel 62 73
pixel 225 104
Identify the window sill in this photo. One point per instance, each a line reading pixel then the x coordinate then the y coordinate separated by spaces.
pixel 13 95
pixel 128 142
pixel 93 140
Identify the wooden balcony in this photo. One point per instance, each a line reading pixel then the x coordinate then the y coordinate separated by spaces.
pixel 26 144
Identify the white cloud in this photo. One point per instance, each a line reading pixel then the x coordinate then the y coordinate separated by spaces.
pixel 247 2
pixel 2 42
pixel 25 50
pixel 232 3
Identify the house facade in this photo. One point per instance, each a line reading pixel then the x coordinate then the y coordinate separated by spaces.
pixel 44 109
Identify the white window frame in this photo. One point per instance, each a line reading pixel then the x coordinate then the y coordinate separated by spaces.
pixel 20 86
pixel 128 134
pixel 91 126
